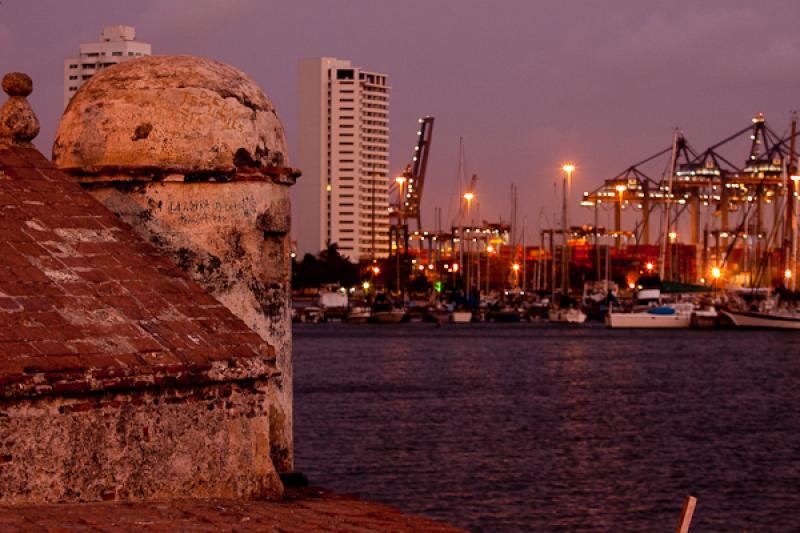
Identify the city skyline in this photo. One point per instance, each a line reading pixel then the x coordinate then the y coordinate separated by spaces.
pixel 528 87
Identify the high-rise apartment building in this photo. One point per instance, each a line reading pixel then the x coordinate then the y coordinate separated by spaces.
pixel 343 151
pixel 116 44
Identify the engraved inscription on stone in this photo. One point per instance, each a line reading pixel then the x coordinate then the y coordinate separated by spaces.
pixel 205 210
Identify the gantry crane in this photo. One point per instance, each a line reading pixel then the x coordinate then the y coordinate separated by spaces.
pixel 707 178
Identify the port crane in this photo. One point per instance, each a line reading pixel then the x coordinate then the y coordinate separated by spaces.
pixel 409 187
pixel 411 183
pixel 707 179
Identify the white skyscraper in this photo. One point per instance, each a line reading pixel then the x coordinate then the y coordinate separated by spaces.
pixel 116 44
pixel 343 151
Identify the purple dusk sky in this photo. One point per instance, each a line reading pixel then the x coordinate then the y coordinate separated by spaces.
pixel 527 84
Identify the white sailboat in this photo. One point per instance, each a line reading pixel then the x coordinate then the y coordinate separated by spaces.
pixel 674 315
pixel 755 319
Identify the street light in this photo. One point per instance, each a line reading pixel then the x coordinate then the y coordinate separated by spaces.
pixel 566 185
pixel 620 188
pixel 715 273
pixel 649 266
pixel 401 181
pixel 469 196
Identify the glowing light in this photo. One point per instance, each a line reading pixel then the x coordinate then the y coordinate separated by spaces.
pixel 515 266
pixel 455 267
pixel 716 273
pixel 422 267
pixel 376 270
pixel 620 188
pixel 365 285
pixel 400 180
pixel 490 248
pixel 468 196
pixel 649 266
pixel 430 267
pixel 568 168
pixel 673 235
pixel 631 285
pixel 787 274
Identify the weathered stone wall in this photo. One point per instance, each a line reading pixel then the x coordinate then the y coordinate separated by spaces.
pixel 191 153
pixel 205 440
pixel 233 238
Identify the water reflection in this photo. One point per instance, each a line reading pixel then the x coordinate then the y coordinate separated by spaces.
pixel 529 428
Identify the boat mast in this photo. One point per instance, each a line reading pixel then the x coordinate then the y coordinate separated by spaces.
pixel 790 222
pixel 667 206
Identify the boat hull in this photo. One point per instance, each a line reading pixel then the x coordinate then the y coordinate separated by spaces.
pixel 461 317
pixel 647 320
pixel 743 319
pixel 566 316
pixel 388 317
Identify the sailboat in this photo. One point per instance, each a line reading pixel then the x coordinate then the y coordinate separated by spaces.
pixel 651 311
pixel 771 319
pixel 778 310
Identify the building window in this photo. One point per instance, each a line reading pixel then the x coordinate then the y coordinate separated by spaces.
pixel 73 77
pixel 87 76
pixel 73 88
pixel 72 65
pixel 116 54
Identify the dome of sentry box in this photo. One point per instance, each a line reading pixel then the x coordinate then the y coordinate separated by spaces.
pixel 169 115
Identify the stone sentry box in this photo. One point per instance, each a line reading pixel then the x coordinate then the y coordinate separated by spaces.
pixel 120 376
pixel 193 156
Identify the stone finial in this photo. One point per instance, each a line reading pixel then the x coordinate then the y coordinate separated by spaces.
pixel 18 122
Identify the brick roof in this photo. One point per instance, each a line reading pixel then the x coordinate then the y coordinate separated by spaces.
pixel 86 304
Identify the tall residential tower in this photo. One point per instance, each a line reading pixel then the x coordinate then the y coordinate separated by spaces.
pixel 343 151
pixel 116 44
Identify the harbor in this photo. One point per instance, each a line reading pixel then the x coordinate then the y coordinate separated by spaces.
pixel 725 253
